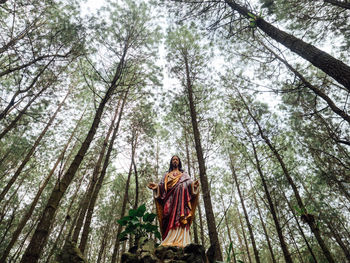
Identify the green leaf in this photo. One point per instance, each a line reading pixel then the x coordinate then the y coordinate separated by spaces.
pixel 149 217
pixel 123 221
pixel 149 227
pixel 132 212
pixel 141 210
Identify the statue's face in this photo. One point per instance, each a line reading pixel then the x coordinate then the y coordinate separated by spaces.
pixel 175 161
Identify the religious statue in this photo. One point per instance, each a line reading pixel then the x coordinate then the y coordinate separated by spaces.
pixel 176 198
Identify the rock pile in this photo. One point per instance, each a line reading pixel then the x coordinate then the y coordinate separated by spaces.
pixel 146 252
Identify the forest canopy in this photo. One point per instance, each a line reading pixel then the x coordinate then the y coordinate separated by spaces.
pixel 253 96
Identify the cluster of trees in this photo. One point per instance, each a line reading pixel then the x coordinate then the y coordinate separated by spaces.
pixel 80 135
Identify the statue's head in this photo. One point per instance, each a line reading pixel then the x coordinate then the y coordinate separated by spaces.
pixel 175 162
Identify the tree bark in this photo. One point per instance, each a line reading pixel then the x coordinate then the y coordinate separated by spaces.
pixel 213 234
pixel 320 59
pixel 39 238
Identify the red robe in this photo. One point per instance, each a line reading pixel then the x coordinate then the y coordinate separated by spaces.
pixel 176 203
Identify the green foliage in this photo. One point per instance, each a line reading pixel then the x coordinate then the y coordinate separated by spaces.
pixel 138 223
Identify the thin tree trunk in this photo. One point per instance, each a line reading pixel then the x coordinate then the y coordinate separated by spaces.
pixel 264 229
pixel 286 254
pixel 320 59
pixel 310 220
pixel 228 231
pixel 107 230
pixel 300 228
pixel 331 228
pixel 201 225
pixel 90 211
pixel 251 234
pixel 213 234
pixel 31 151
pixel 95 173
pixel 102 247
pixel 122 213
pixel 29 213
pixel 244 236
pixel 136 178
pixel 239 238
pixel 195 231
pixel 40 236
pixel 295 243
pixel 7 206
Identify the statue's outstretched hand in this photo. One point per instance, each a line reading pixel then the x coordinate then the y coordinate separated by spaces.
pixel 152 186
pixel 196 183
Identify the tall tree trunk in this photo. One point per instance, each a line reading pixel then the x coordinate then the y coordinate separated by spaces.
pixel 66 220
pixel 286 254
pixel 320 59
pixel 31 151
pixel 228 231
pixel 330 226
pixel 309 219
pixel 195 231
pixel 244 236
pixel 201 227
pixel 300 228
pixel 29 213
pixel 295 243
pixel 39 238
pixel 90 211
pixel 122 213
pixel 264 229
pixel 251 234
pixel 95 173
pixel 213 234
pixel 136 177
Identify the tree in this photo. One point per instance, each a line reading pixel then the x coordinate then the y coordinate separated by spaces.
pixel 188 62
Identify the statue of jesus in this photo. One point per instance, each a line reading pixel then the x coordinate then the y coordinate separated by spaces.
pixel 176 198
